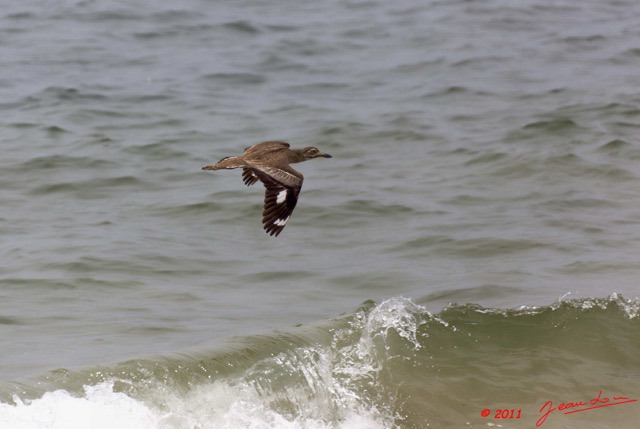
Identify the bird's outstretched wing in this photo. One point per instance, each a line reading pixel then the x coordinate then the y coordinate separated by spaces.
pixel 280 198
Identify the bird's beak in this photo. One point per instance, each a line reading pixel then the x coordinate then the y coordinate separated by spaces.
pixel 325 155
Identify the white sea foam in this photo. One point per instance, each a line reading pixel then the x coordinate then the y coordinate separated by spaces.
pixel 218 405
pixel 99 408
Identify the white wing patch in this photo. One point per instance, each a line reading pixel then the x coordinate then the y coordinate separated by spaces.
pixel 281 222
pixel 282 195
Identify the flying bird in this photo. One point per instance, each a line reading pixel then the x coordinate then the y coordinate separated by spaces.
pixel 269 163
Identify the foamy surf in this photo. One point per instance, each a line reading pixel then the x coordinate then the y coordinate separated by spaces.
pixel 99 408
pixel 218 405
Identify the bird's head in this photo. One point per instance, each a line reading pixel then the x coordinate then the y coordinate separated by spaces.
pixel 313 152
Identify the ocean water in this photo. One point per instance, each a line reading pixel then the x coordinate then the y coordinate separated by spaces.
pixel 472 245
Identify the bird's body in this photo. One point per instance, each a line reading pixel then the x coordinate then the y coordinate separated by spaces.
pixel 269 163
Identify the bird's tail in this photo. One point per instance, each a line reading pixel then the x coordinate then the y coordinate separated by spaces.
pixel 227 163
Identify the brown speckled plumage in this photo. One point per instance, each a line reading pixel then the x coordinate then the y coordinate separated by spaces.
pixel 269 163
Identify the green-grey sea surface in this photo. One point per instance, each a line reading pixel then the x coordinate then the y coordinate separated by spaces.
pixel 473 243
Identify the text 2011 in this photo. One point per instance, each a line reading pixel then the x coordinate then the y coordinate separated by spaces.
pixel 507 414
